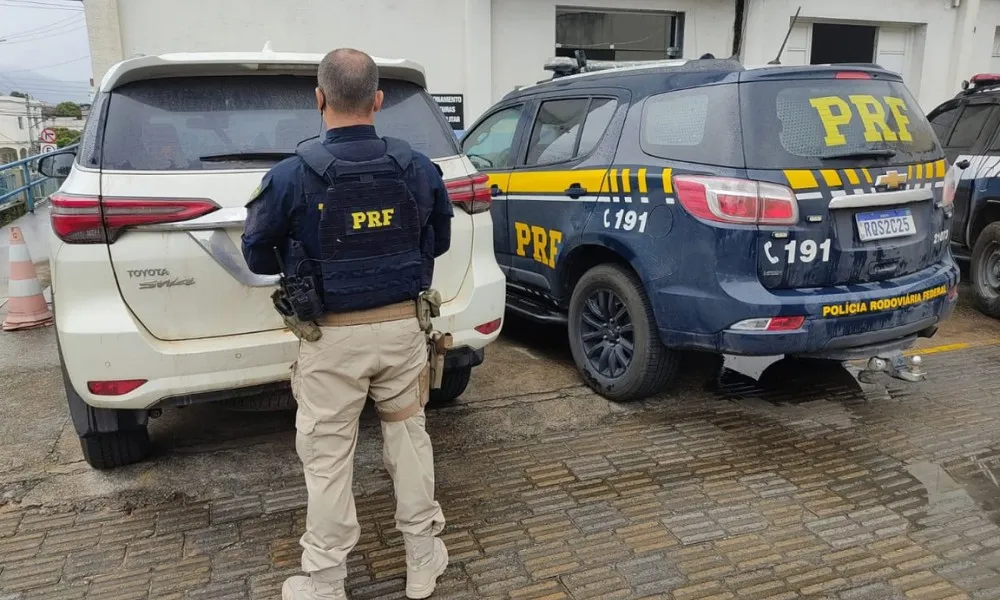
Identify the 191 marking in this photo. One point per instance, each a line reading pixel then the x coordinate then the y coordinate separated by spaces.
pixel 806 252
pixel 625 220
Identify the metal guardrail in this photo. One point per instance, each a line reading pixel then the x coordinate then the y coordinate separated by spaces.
pixel 20 182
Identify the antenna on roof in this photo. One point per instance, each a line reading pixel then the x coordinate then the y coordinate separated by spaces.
pixel 777 59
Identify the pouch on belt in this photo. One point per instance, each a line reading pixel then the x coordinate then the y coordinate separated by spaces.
pixel 438 343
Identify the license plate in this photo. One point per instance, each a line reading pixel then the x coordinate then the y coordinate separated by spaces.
pixel 885 224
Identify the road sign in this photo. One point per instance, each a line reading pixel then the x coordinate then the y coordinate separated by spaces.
pixel 48 135
pixel 48 148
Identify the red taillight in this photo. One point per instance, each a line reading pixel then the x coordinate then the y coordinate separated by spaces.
pixel 852 75
pixel 92 220
pixel 737 201
pixel 118 387
pixel 471 193
pixel 488 328
pixel 785 323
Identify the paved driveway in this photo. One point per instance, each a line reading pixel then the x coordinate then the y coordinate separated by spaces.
pixel 817 488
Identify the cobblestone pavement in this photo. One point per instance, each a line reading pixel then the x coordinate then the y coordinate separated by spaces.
pixel 818 489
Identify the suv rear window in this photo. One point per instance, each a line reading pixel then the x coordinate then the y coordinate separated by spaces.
pixel 699 125
pixel 810 122
pixel 168 124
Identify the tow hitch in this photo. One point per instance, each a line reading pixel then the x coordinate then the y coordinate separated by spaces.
pixel 896 366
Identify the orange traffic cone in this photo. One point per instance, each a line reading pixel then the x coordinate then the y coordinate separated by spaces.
pixel 26 307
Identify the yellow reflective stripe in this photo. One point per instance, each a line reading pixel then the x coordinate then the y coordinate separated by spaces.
pixel 643 187
pixel 831 178
pixel 939 172
pixel 868 176
pixel 626 184
pixel 852 176
pixel 668 182
pixel 920 171
pixel 929 171
pixel 800 179
pixel 909 172
pixel 554 182
pixel 613 181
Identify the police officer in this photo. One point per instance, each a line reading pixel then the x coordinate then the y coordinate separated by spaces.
pixel 364 217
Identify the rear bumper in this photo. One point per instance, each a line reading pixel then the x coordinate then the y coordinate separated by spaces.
pixel 866 329
pixel 101 340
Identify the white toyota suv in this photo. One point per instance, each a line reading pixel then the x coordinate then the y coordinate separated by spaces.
pixel 155 306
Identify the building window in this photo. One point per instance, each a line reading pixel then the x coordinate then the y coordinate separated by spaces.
pixel 618 34
pixel 20 122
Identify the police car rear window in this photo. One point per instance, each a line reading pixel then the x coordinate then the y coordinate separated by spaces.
pixel 819 122
pixel 170 124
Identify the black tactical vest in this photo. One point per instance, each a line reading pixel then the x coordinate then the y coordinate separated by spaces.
pixel 368 230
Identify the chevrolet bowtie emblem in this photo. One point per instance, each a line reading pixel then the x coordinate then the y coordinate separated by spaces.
pixel 891 180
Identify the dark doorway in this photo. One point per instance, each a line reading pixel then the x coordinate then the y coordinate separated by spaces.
pixel 842 43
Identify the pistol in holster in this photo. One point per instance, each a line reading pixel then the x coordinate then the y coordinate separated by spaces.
pixel 438 343
pixel 304 330
pixel 297 300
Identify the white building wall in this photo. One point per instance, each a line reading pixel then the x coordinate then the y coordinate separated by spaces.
pixel 946 43
pixel 480 48
pixel 485 48
pixel 524 33
pixel 18 127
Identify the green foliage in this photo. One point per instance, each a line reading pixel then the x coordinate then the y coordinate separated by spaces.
pixel 68 109
pixel 17 94
pixel 66 137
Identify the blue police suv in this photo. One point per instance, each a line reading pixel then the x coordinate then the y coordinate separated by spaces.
pixel 801 211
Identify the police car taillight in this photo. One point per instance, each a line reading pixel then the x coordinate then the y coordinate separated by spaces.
pixel 736 201
pixel 472 194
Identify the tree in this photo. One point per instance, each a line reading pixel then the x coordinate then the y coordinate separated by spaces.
pixel 66 137
pixel 68 109
pixel 17 94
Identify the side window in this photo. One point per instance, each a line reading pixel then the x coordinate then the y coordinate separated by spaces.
pixel 970 126
pixel 568 129
pixel 699 125
pixel 488 145
pixel 598 118
pixel 942 122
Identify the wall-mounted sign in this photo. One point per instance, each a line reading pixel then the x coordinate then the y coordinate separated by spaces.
pixel 453 107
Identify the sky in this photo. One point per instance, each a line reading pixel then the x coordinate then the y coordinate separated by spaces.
pixel 43 49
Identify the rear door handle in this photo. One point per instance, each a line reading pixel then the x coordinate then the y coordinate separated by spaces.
pixel 495 190
pixel 575 191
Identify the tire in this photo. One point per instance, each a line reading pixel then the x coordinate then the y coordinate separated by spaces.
pixel 651 366
pixel 453 384
pixel 111 450
pixel 984 271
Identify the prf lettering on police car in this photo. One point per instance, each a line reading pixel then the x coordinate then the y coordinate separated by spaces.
pixel 856 308
pixel 835 113
pixel 372 219
pixel 544 243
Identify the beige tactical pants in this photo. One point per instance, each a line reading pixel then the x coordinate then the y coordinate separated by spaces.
pixel 358 358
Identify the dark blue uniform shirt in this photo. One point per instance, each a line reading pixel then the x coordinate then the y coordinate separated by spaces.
pixel 280 202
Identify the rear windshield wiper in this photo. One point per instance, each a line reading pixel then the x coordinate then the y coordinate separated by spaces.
pixel 255 155
pixel 863 154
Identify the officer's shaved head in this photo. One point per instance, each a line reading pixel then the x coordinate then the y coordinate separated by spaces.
pixel 348 79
